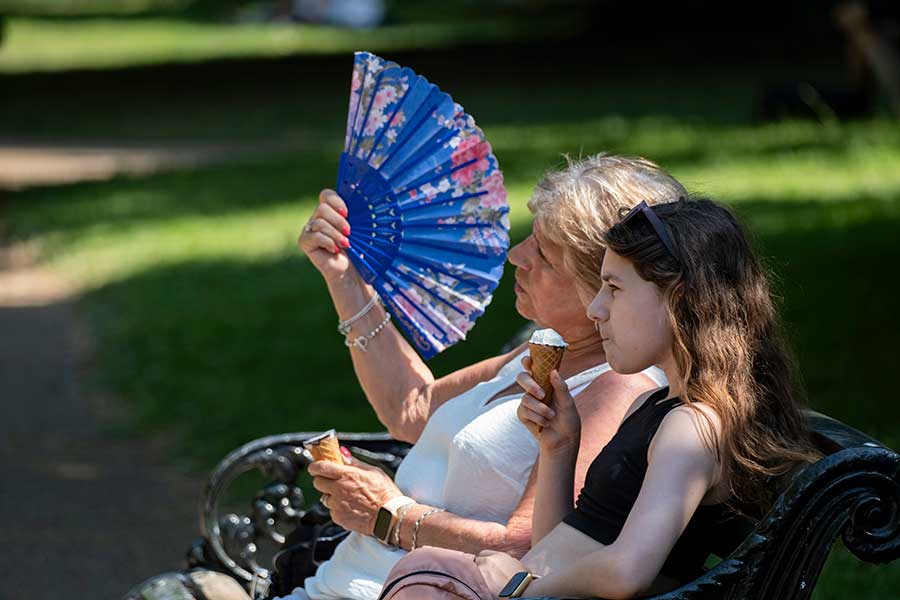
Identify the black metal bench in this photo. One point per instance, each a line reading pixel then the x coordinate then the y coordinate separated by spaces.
pixel 853 492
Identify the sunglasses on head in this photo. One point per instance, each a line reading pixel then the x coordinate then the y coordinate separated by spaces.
pixel 644 209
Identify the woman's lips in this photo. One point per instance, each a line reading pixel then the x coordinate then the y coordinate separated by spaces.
pixel 519 289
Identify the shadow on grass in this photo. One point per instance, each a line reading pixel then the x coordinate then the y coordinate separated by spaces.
pixel 265 99
pixel 225 351
pixel 837 272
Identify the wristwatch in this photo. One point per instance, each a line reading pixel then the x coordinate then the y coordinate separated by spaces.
pixel 386 518
pixel 516 585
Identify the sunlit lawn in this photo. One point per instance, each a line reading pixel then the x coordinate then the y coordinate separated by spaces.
pixel 32 45
pixel 212 325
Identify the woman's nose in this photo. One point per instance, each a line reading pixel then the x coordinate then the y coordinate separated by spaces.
pixel 516 255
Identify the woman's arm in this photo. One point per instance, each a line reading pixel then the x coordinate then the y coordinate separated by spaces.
pixel 357 491
pixel 448 530
pixel 396 382
pixel 681 471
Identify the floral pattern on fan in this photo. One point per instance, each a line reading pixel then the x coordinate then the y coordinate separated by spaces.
pixel 428 212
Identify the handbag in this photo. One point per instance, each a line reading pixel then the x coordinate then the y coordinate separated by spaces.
pixel 308 546
pixel 436 574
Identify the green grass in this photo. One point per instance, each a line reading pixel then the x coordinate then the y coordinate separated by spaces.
pixel 34 45
pixel 211 324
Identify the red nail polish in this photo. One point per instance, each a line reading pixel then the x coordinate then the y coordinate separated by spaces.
pixel 336 249
pixel 343 212
pixel 346 230
pixel 345 242
pixel 346 452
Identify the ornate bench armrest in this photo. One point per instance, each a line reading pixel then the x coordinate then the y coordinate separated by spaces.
pixel 230 540
pixel 832 435
pixel 854 493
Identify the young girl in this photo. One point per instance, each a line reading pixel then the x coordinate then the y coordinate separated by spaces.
pixel 681 290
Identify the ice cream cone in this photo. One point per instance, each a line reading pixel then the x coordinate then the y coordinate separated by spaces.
pixel 544 359
pixel 325 447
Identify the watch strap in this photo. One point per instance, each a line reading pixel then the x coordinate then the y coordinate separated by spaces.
pixel 394 503
pixel 391 507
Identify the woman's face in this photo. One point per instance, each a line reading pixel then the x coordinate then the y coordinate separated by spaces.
pixel 545 291
pixel 630 314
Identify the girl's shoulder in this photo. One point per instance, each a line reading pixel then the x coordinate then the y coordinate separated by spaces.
pixel 699 416
pixel 693 431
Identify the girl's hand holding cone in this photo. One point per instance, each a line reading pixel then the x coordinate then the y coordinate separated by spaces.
pixel 554 421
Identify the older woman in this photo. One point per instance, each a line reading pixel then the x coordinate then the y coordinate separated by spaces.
pixel 467 484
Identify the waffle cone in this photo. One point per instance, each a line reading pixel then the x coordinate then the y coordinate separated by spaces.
pixel 543 360
pixel 325 447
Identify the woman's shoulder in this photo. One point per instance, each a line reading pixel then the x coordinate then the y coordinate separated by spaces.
pixel 483 370
pixel 642 398
pixel 633 388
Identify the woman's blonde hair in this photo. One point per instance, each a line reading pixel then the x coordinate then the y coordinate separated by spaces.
pixel 575 206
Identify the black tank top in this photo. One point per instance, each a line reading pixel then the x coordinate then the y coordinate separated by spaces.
pixel 614 479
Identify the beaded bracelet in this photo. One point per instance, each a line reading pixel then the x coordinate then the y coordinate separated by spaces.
pixel 415 533
pixel 344 326
pixel 362 342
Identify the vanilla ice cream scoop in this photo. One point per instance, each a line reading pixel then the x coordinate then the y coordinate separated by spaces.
pixel 547 348
pixel 547 337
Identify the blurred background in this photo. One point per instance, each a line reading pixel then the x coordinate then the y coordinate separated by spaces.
pixel 158 159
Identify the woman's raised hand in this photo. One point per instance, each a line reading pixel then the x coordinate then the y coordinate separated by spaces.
pixel 554 425
pixel 325 236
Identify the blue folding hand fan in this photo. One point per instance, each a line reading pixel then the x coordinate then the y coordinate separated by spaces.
pixel 429 227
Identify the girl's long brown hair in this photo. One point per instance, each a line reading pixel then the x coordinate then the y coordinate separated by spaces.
pixel 728 344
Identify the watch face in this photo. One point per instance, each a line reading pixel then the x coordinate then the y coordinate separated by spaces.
pixel 515 585
pixel 382 523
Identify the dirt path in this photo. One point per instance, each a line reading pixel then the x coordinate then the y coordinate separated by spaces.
pixel 24 163
pixel 84 515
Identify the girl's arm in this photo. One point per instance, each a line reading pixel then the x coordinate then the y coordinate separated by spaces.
pixel 601 408
pixel 557 428
pixel 681 471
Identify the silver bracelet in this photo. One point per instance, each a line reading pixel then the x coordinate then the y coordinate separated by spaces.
pixel 401 514
pixel 419 521
pixel 362 342
pixel 344 326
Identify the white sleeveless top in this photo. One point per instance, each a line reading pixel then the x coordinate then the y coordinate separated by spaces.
pixel 473 458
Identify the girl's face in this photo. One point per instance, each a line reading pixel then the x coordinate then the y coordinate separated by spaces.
pixel 630 314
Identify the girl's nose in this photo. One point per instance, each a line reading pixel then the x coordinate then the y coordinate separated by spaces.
pixel 596 310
